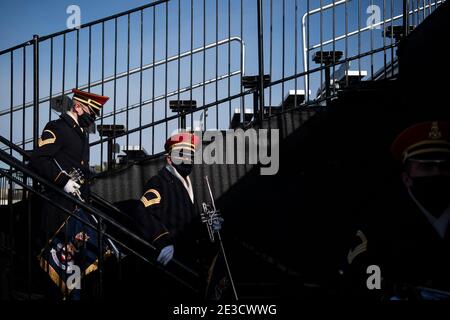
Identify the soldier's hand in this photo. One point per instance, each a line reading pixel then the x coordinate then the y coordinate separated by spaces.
pixel 165 255
pixel 71 187
pixel 217 224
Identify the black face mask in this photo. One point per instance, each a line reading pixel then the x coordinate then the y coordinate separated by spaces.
pixel 432 192
pixel 184 169
pixel 86 120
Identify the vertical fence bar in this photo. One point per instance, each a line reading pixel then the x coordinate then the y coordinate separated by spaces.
pixel 270 54
pixel 77 57
pixel 100 257
pixel 111 145
pixel 308 84
pixel 192 58
pixel 166 70
pixel 11 87
pixel 421 7
pixel 83 259
pixel 283 47
pixel 205 111
pixel 424 13
pixel 141 57
pixel 371 46
pixel 424 10
pixel 405 18
pixel 127 114
pixel 321 46
pixel 359 37
pixel 334 45
pixel 11 227
pixel 295 51
pixel 29 277
pixel 392 38
pixel 418 12
pixel 260 60
pixel 24 75
pixel 51 80
pixel 35 90
pixel 153 78
pixel 241 65
pixel 64 65
pixel 384 40
pixel 179 59
pixel 89 58
pixel 217 63
pixel 229 59
pixel 89 71
pixel 415 9
pixel 11 185
pixel 347 64
pixel 61 279
pixel 103 89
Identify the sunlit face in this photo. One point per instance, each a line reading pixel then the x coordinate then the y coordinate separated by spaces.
pixel 80 108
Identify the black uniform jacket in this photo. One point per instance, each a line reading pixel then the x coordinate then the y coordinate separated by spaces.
pixel 64 141
pixel 166 213
pixel 399 239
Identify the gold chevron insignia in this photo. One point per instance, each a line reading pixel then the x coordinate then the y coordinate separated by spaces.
pixel 48 140
pixel 153 201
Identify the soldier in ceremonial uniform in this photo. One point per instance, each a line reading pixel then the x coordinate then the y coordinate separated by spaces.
pixel 168 210
pixel 167 215
pixel 62 150
pixel 408 235
pixel 63 147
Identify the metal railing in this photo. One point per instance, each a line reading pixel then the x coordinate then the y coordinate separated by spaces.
pixel 417 12
pixel 26 119
pixel 141 61
pixel 154 44
pixel 9 193
pixel 270 32
pixel 28 179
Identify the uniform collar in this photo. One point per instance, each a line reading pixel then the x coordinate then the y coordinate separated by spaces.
pixel 74 119
pixel 186 182
pixel 441 223
pixel 69 119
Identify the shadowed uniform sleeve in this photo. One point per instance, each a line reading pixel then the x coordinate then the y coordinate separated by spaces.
pixel 49 145
pixel 363 252
pixel 149 211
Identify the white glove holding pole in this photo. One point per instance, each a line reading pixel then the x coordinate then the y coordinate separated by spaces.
pixel 71 187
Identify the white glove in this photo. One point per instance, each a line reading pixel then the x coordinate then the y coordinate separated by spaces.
pixel 165 255
pixel 71 187
pixel 217 224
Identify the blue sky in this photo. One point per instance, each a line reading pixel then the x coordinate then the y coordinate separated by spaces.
pixel 20 19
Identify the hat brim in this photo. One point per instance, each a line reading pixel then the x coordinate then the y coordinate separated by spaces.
pixel 428 156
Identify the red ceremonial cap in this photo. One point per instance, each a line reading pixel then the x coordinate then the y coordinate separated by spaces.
pixel 93 101
pixel 185 141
